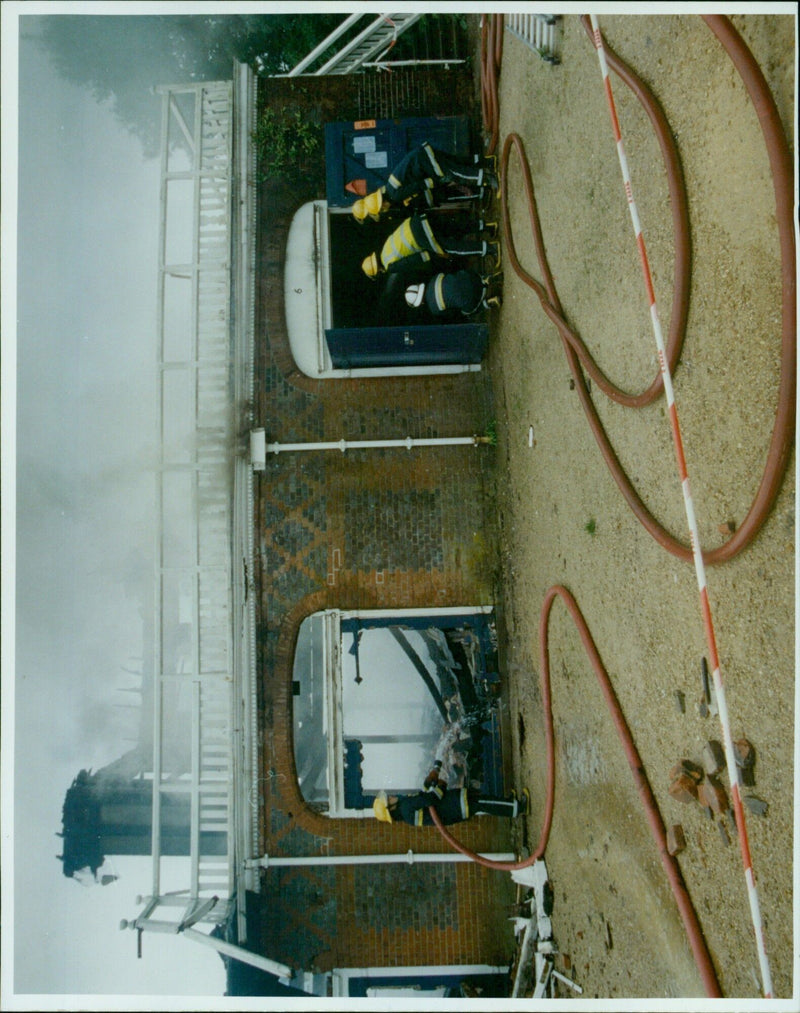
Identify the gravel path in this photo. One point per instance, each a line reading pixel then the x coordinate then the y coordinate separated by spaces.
pixel 562 519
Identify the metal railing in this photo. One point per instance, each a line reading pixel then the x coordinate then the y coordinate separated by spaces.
pixel 193 622
pixel 204 712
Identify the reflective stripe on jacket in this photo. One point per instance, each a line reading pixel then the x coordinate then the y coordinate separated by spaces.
pixel 415 235
pixel 438 293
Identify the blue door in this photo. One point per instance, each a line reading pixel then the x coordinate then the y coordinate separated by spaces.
pixel 435 344
pixel 369 149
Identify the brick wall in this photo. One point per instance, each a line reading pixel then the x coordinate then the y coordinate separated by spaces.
pixel 367 529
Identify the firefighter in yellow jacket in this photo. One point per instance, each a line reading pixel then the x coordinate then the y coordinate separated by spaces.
pixel 419 174
pixel 414 245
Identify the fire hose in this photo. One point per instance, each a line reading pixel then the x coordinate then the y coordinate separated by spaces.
pixel 670 864
pixel 782 439
pixel 577 355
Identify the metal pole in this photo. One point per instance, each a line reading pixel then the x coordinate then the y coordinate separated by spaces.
pixel 343 445
pixel 259 448
pixel 409 858
pixel 412 63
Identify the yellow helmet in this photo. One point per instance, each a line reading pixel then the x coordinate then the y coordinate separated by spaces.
pixel 369 265
pixel 370 205
pixel 374 204
pixel 381 809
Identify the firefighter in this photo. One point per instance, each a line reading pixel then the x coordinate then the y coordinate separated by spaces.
pixel 452 805
pixel 413 246
pixel 462 291
pixel 423 170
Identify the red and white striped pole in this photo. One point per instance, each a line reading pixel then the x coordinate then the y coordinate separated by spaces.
pixel 708 623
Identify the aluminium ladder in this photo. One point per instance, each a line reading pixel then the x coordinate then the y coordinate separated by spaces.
pixel 539 31
pixel 376 39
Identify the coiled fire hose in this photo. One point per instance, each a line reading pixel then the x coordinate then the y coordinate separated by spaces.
pixel 577 355
pixel 689 916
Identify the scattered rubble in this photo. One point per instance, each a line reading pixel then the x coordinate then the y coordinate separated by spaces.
pixel 713 757
pixel 706 683
pixel 676 841
pixel 756 805
pixel 684 788
pixel 745 757
pixel 693 770
pixel 537 937
pixel 691 782
pixel 712 794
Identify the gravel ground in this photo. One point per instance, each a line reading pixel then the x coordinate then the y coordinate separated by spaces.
pixel 561 518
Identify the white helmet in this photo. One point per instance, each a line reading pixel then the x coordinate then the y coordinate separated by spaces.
pixel 415 294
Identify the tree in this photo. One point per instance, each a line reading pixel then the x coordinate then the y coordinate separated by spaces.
pixel 122 58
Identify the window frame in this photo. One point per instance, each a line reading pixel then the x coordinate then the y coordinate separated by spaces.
pixel 333 687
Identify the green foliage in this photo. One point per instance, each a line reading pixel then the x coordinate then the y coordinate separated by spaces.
pixel 590 526
pixel 287 144
pixel 491 433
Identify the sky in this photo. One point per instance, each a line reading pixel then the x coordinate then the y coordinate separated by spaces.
pixel 84 362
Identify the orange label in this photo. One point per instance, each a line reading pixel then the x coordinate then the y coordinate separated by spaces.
pixel 364 125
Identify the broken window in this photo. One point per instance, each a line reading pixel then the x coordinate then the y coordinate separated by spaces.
pixel 379 696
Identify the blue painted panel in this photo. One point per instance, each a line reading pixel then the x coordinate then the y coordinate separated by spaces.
pixel 354 797
pixel 369 149
pixel 444 621
pixel 430 345
pixel 493 781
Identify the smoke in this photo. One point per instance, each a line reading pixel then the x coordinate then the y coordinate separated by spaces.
pixel 85 442
pixel 86 455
